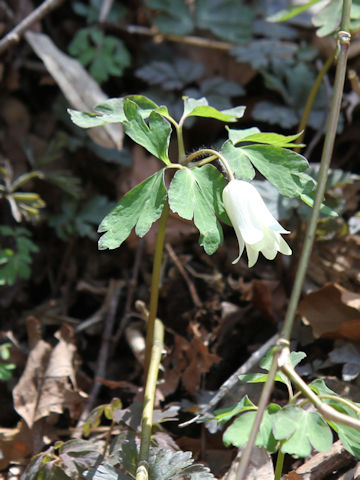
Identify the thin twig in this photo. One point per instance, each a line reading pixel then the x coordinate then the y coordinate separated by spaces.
pixel 193 293
pixel 113 296
pixel 15 34
pixel 230 383
pixel 190 40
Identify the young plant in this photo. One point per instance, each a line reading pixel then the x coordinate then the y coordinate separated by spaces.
pixel 292 428
pixel 197 191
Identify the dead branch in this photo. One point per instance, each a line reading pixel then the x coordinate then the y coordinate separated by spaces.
pixel 15 34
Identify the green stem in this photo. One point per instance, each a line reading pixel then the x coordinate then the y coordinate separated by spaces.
pixel 279 465
pixel 263 401
pixel 149 396
pixel 344 42
pixel 324 409
pixel 180 141
pixel 312 95
pixel 214 155
pixel 155 281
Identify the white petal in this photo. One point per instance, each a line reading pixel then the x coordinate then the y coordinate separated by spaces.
pixel 237 200
pixel 241 244
pixel 284 247
pixel 252 254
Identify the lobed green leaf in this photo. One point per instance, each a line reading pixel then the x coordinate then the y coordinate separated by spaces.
pixel 140 207
pixel 155 137
pixel 201 108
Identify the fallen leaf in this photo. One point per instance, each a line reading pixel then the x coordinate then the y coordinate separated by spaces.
pixel 333 312
pixel 15 444
pixel 80 89
pixel 48 383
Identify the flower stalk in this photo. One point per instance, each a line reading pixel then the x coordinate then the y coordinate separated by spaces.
pixel 343 46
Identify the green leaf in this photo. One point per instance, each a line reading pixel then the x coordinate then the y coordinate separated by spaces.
pixel 173 17
pixel 275 114
pixel 239 431
pixel 275 139
pixel 300 430
pixel 238 161
pixel 328 18
pixel 309 200
pixel 155 137
pixel 141 206
pixel 167 464
pixel 201 108
pixel 15 263
pixel 189 199
pixel 349 437
pixel 261 53
pixel 279 166
pixel 111 111
pixel 225 414
pixel 230 20
pixel 171 75
pixel 291 12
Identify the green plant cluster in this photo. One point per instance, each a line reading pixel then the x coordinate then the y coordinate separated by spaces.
pixel 293 428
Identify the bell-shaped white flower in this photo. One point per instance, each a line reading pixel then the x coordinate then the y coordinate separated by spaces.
pixel 254 225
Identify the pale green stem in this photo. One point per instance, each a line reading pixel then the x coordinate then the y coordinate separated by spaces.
pixel 155 281
pixel 180 140
pixel 263 402
pixel 279 465
pixel 214 155
pixel 335 398
pixel 149 396
pixel 326 410
pixel 344 42
pixel 311 98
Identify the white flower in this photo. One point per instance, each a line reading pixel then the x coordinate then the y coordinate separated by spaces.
pixel 254 225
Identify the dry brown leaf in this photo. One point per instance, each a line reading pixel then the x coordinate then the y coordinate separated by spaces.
pixel 48 383
pixel 333 312
pixel 80 89
pixel 336 261
pixel 15 444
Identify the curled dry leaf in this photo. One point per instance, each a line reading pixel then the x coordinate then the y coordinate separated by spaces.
pixel 333 312
pixel 48 383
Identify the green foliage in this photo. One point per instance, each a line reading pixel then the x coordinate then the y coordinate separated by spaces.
pixel 6 367
pixel 150 125
pixel 80 219
pixel 229 20
pixel 139 208
pixel 327 18
pixel 23 205
pixel 173 16
pixel 290 429
pixel 172 75
pixel 293 81
pixel 16 249
pixel 104 54
pixel 91 11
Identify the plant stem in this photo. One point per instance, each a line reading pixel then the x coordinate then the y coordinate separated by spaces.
pixel 326 410
pixel 264 400
pixel 149 396
pixel 311 98
pixel 180 140
pixel 155 281
pixel 279 465
pixel 343 43
pixel 214 154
